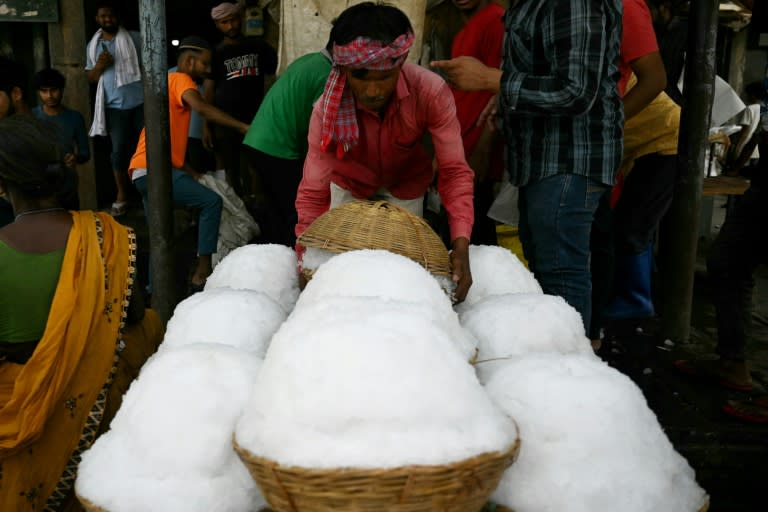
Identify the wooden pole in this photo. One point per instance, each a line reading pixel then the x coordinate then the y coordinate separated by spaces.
pixel 679 236
pixel 157 125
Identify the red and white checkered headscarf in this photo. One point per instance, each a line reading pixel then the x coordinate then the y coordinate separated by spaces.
pixel 339 118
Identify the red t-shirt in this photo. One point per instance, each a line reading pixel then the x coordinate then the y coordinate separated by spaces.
pixel 482 37
pixel 638 38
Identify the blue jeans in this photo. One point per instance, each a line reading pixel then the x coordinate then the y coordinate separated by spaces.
pixel 188 192
pixel 555 223
pixel 124 128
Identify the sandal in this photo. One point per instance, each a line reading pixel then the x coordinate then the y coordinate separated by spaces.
pixel 753 411
pixel 712 370
pixel 119 209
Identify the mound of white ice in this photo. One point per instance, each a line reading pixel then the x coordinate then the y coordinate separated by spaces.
pixel 169 446
pixel 374 273
pixel 589 441
pixel 376 390
pixel 269 268
pixel 517 324
pixel 497 271
pixel 243 319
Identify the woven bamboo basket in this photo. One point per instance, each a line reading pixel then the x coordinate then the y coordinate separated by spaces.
pixel 460 487
pixel 378 225
pixel 90 507
pixel 501 508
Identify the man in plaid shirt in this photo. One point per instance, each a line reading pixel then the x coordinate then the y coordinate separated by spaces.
pixel 562 119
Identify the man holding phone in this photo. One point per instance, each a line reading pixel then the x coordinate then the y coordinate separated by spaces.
pixel 113 63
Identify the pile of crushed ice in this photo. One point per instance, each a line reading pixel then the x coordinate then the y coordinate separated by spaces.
pixel 368 367
pixel 169 446
pixel 365 374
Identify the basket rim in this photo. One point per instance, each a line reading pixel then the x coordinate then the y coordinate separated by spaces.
pixel 511 453
pixel 362 208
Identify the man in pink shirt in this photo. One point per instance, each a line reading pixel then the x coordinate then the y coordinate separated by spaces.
pixel 366 131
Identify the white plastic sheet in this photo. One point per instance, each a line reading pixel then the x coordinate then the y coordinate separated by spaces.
pixel 237 227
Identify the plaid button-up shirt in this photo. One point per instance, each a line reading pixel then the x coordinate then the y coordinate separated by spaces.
pixel 559 102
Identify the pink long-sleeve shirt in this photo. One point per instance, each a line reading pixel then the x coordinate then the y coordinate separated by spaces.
pixel 390 154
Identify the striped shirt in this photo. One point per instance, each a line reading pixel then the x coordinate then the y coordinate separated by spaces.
pixel 559 102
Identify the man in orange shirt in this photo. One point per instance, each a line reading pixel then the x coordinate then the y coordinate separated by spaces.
pixel 194 65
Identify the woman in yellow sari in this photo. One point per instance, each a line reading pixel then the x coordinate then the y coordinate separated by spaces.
pixel 72 333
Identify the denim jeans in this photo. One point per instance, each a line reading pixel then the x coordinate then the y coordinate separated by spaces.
pixel 556 216
pixel 124 127
pixel 188 192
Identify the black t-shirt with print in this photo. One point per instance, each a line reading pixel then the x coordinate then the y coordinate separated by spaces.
pixel 239 71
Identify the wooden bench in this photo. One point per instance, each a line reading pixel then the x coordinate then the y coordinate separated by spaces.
pixel 725 186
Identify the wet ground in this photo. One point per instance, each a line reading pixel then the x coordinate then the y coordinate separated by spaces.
pixel 730 457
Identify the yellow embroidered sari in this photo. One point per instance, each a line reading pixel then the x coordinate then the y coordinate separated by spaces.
pixel 53 407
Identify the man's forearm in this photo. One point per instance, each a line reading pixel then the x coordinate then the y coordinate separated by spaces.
pixel 94 74
pixel 214 115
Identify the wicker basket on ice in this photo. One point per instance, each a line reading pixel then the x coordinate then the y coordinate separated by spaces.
pixel 500 508
pixel 371 409
pixel 461 487
pixel 377 225
pixel 90 507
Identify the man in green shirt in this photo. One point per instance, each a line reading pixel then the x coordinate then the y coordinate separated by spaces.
pixel 276 143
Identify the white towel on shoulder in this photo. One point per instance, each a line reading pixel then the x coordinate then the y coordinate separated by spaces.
pixel 127 71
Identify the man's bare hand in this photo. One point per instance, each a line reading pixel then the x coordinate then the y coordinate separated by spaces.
pixel 70 160
pixel 462 275
pixel 105 60
pixel 489 113
pixel 207 137
pixel 468 74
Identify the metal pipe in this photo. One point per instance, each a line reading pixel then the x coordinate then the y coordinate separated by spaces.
pixel 158 142
pixel 679 236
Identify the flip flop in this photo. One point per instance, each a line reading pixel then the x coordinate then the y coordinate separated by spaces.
pixel 746 410
pixel 709 370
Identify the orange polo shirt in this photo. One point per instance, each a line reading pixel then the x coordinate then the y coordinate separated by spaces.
pixel 180 114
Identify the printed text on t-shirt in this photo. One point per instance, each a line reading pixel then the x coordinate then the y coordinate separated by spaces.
pixel 244 65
